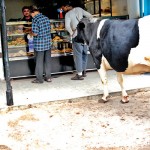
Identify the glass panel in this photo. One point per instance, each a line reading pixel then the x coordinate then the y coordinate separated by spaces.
pixel 97 9
pixel 90 6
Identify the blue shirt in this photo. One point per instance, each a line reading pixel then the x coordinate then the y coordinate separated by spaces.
pixel 41 27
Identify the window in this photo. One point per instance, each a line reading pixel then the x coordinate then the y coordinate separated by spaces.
pixel 99 7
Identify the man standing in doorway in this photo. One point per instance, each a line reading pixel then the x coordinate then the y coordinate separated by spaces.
pixel 72 18
pixel 42 45
pixel 26 27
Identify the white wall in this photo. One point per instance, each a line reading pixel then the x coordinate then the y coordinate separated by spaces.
pixel 133 8
pixel 14 8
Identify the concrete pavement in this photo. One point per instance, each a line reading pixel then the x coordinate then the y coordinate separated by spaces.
pixel 61 87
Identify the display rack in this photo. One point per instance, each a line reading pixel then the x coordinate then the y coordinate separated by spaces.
pixel 22 61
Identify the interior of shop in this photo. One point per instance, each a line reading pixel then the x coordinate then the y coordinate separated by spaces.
pixel 49 7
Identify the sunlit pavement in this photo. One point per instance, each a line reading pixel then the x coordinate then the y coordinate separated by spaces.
pixel 61 87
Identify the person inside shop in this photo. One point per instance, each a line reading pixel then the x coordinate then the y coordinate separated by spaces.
pixel 26 14
pixel 27 27
pixel 42 45
pixel 72 17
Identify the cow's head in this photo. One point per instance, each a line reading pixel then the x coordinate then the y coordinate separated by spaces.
pixel 87 32
pixel 83 31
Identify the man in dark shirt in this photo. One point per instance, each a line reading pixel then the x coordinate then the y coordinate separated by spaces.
pixel 27 27
pixel 26 14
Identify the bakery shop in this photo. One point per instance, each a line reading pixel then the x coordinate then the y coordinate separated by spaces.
pixel 21 51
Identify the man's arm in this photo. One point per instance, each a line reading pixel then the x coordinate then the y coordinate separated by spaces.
pixel 67 25
pixel 35 29
pixel 86 14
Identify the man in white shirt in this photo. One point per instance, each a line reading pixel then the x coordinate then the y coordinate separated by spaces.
pixel 72 18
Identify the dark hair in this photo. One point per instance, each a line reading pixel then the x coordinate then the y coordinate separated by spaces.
pixel 68 3
pixel 33 8
pixel 25 7
pixel 73 3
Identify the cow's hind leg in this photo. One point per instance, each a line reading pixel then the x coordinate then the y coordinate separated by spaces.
pixel 103 76
pixel 125 97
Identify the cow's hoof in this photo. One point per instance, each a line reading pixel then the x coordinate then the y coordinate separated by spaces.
pixel 102 101
pixel 124 102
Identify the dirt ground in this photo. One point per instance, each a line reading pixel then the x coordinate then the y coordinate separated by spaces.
pixel 79 124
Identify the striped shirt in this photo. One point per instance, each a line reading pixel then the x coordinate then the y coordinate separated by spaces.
pixel 41 27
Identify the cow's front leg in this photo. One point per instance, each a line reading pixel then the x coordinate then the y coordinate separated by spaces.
pixel 103 76
pixel 125 97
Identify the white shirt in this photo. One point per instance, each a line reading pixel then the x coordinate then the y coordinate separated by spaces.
pixel 73 17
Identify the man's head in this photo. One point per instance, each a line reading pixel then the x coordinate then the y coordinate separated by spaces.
pixel 26 11
pixel 34 10
pixel 66 7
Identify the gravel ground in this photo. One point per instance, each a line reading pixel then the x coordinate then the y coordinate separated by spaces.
pixel 79 124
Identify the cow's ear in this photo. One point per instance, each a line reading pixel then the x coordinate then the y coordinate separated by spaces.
pixel 81 25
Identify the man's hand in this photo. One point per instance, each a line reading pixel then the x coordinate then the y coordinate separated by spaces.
pixel 32 34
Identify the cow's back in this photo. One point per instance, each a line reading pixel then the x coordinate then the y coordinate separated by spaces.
pixel 126 45
pixel 139 56
pixel 117 39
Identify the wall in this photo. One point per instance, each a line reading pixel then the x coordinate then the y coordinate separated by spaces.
pixel 133 8
pixel 14 8
pixel 119 7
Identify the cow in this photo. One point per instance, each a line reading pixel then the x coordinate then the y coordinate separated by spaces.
pixel 122 45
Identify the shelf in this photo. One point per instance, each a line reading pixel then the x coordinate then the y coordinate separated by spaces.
pixel 17 23
pixel 53 31
pixel 56 21
pixel 60 30
pixel 31 57
pixel 64 41
pixel 21 34
pixel 23 48
pixel 17 46
pixel 59 55
pixel 20 58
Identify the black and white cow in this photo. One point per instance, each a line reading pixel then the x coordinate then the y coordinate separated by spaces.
pixel 122 45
